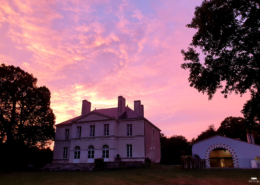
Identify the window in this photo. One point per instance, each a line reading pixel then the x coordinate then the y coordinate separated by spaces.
pixel 106 129
pixel 105 151
pixel 153 134
pixel 67 132
pixel 91 152
pixel 129 150
pixel 78 131
pixel 92 130
pixel 65 152
pixel 129 129
pixel 77 152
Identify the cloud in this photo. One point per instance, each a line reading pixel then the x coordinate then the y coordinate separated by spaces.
pixel 98 50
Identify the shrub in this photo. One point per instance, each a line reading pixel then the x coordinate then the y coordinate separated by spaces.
pixel 147 160
pixel 99 163
pixel 118 158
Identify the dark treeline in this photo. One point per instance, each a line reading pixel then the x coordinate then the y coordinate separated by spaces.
pixel 233 127
pixel 173 148
pixel 20 157
pixel 26 120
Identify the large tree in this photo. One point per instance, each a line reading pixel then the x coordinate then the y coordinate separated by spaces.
pixel 228 33
pixel 210 132
pixel 173 148
pixel 233 127
pixel 25 114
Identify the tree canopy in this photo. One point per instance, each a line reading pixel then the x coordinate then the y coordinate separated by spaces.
pixel 172 148
pixel 210 132
pixel 233 127
pixel 25 114
pixel 228 33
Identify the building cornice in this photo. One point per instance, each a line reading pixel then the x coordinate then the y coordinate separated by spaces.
pixel 99 137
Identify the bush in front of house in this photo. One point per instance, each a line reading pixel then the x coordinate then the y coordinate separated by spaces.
pixel 99 164
pixel 21 158
pixel 147 160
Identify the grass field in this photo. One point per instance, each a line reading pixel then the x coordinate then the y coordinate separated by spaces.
pixel 156 174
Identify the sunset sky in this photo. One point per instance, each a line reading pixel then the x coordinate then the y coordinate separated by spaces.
pixel 100 49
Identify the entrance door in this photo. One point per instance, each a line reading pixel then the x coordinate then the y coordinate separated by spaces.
pixel 76 154
pixel 221 157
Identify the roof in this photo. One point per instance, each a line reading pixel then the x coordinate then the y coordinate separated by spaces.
pixel 70 120
pixel 113 112
pixel 223 137
pixel 109 112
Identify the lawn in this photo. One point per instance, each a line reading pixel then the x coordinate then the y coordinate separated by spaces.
pixel 156 174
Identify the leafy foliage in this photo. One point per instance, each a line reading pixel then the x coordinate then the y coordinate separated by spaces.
pixel 172 148
pixel 99 164
pixel 228 33
pixel 21 157
pixel 233 127
pixel 210 132
pixel 25 114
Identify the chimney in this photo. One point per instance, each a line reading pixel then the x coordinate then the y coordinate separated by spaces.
pixel 250 138
pixel 142 110
pixel 86 106
pixel 121 105
pixel 137 107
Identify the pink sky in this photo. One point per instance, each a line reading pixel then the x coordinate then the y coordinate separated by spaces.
pixel 100 49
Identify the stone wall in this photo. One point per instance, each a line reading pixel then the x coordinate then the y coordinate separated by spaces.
pixel 69 167
pixel 133 164
pixel 91 166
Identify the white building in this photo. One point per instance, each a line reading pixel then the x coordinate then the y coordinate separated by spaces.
pixel 107 133
pixel 221 151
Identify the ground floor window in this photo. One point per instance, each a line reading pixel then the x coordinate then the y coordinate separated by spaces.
pixel 105 151
pixel 91 152
pixel 129 150
pixel 65 152
pixel 77 152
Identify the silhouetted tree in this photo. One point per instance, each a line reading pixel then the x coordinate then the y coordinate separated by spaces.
pixel 210 132
pixel 20 157
pixel 251 111
pixel 25 114
pixel 228 33
pixel 163 139
pixel 233 127
pixel 173 148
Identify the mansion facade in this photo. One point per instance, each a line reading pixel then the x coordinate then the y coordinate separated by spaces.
pixel 110 134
